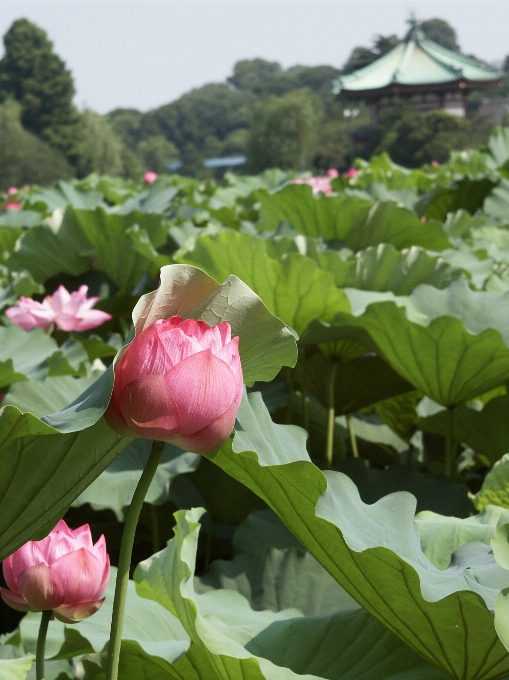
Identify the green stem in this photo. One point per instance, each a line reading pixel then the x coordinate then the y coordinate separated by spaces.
pixel 41 644
pixel 332 415
pixel 353 439
pixel 124 562
pixel 450 444
pixel 154 529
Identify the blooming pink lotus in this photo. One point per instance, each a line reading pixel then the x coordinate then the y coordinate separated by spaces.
pixel 180 382
pixel 351 173
pixel 65 573
pixel 332 172
pixel 13 205
pixel 318 184
pixel 149 177
pixel 69 311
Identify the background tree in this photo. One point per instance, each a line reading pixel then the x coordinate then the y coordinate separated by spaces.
pixel 284 131
pixel 156 152
pixel 106 153
pixel 412 138
pixel 24 158
pixel 363 56
pixel 440 32
pixel 32 74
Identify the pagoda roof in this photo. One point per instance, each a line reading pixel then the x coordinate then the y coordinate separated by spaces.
pixel 416 63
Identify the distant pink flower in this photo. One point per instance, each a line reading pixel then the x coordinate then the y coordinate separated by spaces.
pixel 180 382
pixel 65 573
pixel 149 177
pixel 11 190
pixel 318 184
pixel 13 205
pixel 69 311
pixel 351 173
pixel 435 164
pixel 332 172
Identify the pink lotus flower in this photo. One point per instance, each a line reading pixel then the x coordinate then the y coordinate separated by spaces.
pixel 10 191
pixel 69 311
pixel 332 172
pixel 13 205
pixel 180 382
pixel 351 173
pixel 65 572
pixel 149 177
pixel 318 184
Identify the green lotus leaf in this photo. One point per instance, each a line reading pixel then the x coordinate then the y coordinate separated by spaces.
pixel 443 360
pixel 33 354
pixel 356 221
pixel 43 471
pixel 374 552
pixel 384 268
pixel 86 239
pixel 63 194
pixel 114 488
pixel 497 202
pixel 495 487
pixel 148 628
pixel 234 642
pixel 294 288
pixel 477 309
pixel 273 571
pixel 485 431
pixel 14 663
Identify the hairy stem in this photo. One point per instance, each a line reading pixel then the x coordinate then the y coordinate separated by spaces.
pixel 332 414
pixel 124 562
pixel 41 644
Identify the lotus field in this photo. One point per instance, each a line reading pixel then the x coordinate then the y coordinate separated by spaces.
pixel 257 429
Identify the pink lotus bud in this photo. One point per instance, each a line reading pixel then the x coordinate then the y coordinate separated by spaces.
pixel 69 311
pixel 332 172
pixel 351 173
pixel 65 572
pixel 13 205
pixel 180 382
pixel 11 190
pixel 149 177
pixel 435 164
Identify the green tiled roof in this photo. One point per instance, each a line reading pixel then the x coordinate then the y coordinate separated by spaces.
pixel 417 61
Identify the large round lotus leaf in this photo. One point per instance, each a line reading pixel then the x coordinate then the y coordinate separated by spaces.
pixel 442 360
pixel 374 551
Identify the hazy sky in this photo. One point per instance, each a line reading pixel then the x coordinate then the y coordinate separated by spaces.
pixel 143 53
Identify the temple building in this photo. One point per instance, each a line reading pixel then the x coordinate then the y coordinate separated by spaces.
pixel 421 74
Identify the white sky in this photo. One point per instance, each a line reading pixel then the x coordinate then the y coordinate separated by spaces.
pixel 144 53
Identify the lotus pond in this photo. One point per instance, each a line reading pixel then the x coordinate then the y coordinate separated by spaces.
pixel 355 524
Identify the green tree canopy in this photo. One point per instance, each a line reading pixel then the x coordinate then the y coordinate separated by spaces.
pixel 156 152
pixel 412 138
pixel 284 131
pixel 32 74
pixel 24 158
pixel 440 32
pixel 363 56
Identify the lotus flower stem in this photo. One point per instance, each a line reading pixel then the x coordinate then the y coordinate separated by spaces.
pixel 41 644
pixel 353 439
pixel 332 415
pixel 124 562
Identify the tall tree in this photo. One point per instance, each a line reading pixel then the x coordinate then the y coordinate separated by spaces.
pixel 440 32
pixel 363 56
pixel 24 157
pixel 284 131
pixel 32 74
